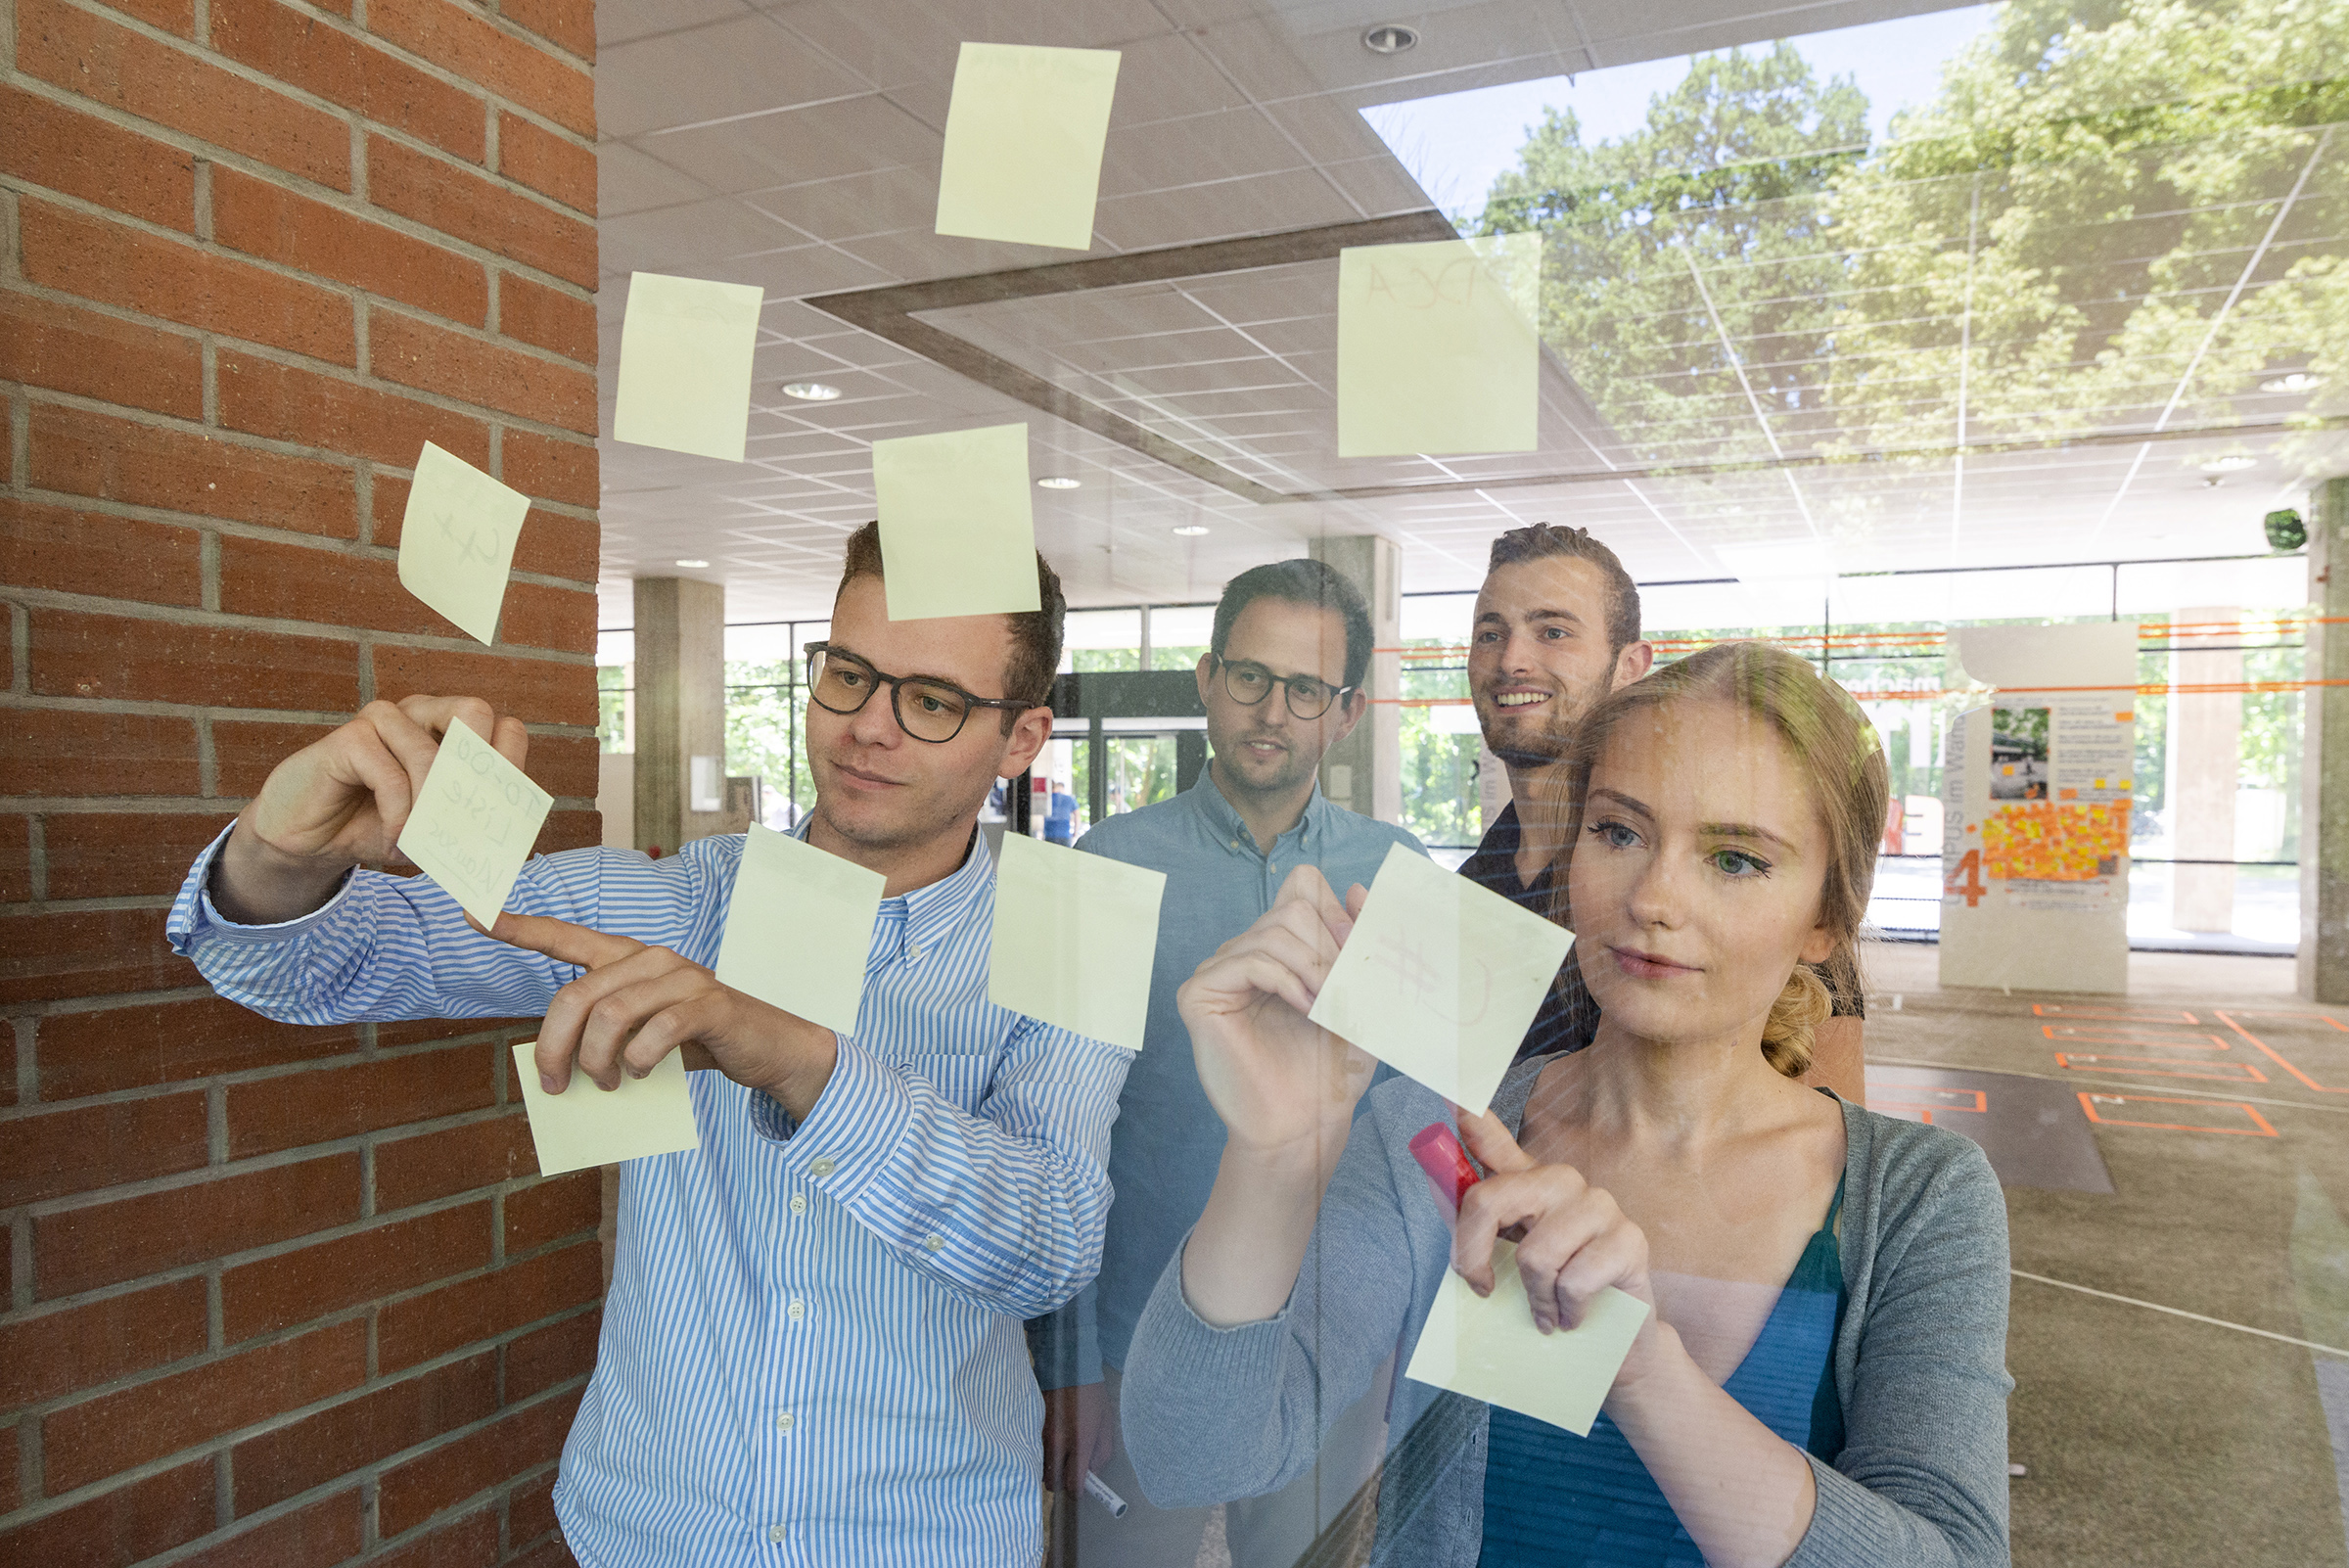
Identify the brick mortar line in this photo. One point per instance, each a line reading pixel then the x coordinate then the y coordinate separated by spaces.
pixel 51 397
pixel 210 1446
pixel 203 240
pixel 317 631
pixel 209 54
pixel 238 1078
pixel 325 368
pixel 181 805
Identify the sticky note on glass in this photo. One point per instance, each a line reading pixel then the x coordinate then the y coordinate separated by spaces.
pixel 1025 131
pixel 456 540
pixel 474 822
pixel 1487 1348
pixel 685 352
pixel 1074 940
pixel 1441 977
pixel 584 1126
pixel 957 525
pixel 800 929
pixel 1438 349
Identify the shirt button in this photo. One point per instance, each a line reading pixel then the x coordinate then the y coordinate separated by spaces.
pixel 914 949
pixel 822 1166
pixel 783 1424
pixel 798 1203
pixel 934 1243
pixel 799 1309
pixel 774 1533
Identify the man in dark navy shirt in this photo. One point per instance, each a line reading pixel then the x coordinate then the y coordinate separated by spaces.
pixel 1557 628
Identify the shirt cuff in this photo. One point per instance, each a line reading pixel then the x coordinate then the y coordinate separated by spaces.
pixel 195 915
pixel 845 1142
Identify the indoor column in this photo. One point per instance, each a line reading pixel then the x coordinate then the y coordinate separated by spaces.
pixel 2325 758
pixel 2205 748
pixel 1363 773
pixel 680 710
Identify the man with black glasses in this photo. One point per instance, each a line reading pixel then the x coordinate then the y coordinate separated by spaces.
pixel 811 1348
pixel 1281 682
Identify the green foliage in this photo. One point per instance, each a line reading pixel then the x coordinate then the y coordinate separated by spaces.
pixel 765 726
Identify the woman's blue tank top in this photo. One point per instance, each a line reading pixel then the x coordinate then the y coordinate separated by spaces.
pixel 1557 1500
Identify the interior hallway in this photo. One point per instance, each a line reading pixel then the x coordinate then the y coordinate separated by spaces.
pixel 2219 1104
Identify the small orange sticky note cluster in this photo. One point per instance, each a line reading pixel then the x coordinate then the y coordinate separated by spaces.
pixel 2042 841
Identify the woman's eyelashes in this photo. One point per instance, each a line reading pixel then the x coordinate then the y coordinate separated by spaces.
pixel 1617 835
pixel 1737 864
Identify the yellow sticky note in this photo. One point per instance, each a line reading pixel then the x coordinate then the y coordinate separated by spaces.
pixel 957 522
pixel 800 929
pixel 474 825
pixel 1441 977
pixel 1025 131
pixel 1438 350
pixel 1074 940
pixel 1487 1348
pixel 456 540
pixel 685 352
pixel 584 1126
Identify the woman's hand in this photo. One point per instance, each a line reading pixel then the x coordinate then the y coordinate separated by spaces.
pixel 1279 1083
pixel 1572 1240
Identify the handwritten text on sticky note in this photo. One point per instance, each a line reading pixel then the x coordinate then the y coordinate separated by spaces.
pixel 1439 978
pixel 456 540
pixel 1487 1348
pixel 1438 350
pixel 685 351
pixel 1074 939
pixel 957 522
pixel 586 1126
pixel 800 929
pixel 473 823
pixel 1025 131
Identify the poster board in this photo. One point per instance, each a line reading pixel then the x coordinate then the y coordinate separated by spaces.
pixel 2036 790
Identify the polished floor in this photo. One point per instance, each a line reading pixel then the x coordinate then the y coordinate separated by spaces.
pixel 2219 1106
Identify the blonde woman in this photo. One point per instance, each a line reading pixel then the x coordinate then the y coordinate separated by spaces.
pixel 1823 1378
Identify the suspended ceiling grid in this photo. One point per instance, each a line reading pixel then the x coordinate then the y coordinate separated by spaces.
pixel 796 147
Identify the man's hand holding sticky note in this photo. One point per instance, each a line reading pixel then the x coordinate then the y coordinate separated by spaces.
pixel 456 540
pixel 799 928
pixel 1438 347
pixel 586 1126
pixel 957 522
pixel 1487 1348
pixel 1441 977
pixel 1075 939
pixel 1025 131
pixel 685 352
pixel 472 824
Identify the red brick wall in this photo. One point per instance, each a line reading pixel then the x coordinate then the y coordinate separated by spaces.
pixel 273 1295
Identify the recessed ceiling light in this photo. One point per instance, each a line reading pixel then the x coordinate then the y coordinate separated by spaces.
pixel 2233 462
pixel 810 392
pixel 1191 531
pixel 1057 481
pixel 2298 380
pixel 693 564
pixel 1390 39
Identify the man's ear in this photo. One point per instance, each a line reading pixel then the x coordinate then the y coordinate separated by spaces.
pixel 1028 733
pixel 1357 704
pixel 1206 672
pixel 1636 659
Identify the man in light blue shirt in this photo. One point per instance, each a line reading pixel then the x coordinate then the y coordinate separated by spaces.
pixel 811 1350
pixel 1281 682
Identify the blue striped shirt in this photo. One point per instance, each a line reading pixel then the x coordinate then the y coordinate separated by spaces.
pixel 811 1349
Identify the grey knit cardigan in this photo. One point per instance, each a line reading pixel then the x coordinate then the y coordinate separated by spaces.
pixel 1211 1414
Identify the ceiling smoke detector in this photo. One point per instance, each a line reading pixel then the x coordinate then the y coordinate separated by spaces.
pixel 1390 39
pixel 810 392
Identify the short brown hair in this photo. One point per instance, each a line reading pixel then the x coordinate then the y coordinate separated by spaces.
pixel 1035 633
pixel 1837 753
pixel 1544 539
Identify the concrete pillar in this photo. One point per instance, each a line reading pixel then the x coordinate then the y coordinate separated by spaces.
pixel 2205 750
pixel 1363 773
pixel 680 710
pixel 2323 974
pixel 1492 786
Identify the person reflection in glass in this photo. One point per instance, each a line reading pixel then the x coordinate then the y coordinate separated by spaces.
pixel 1823 1378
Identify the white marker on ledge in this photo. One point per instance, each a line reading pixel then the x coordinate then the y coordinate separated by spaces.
pixel 1109 1499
